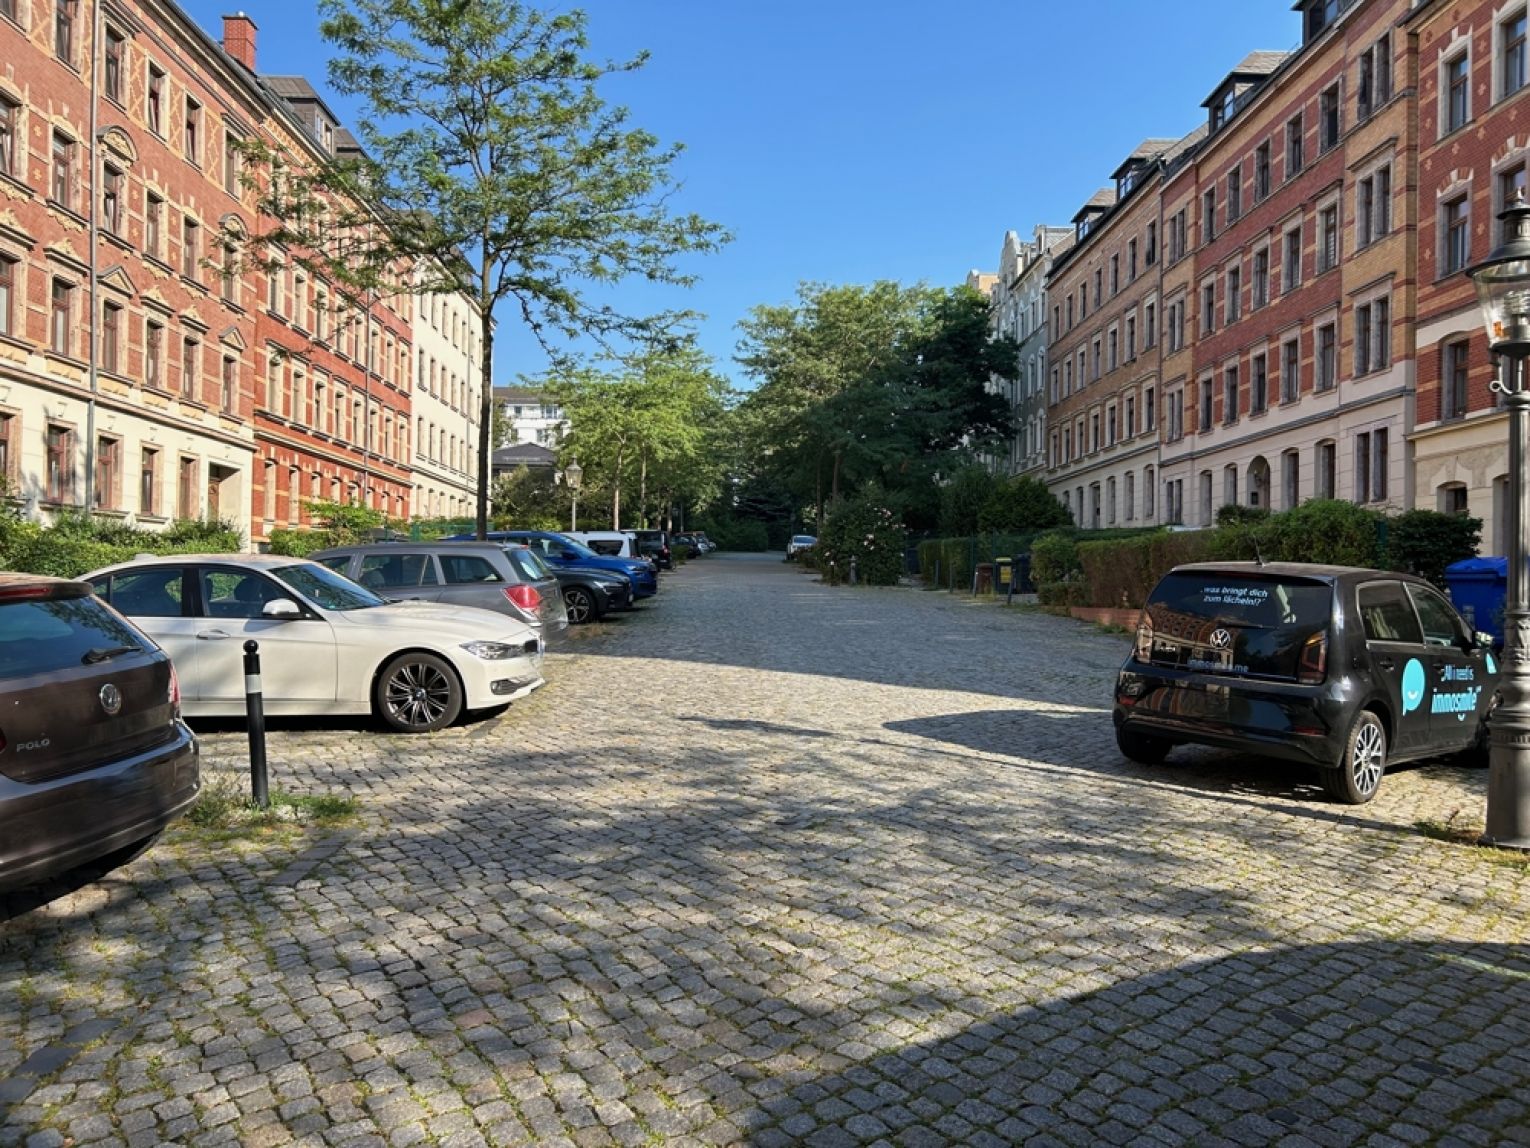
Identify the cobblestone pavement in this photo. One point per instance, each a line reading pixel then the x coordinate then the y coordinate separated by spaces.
pixel 770 863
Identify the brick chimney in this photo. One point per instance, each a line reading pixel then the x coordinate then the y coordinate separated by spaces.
pixel 239 39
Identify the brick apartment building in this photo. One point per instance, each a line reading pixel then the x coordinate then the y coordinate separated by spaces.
pixel 154 373
pixel 1103 297
pixel 1474 144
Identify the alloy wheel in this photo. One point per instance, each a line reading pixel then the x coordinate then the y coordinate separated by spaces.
pixel 417 695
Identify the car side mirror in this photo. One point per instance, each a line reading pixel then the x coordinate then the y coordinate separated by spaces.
pixel 281 610
pixel 1482 641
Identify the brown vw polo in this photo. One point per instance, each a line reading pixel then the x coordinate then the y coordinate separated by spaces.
pixel 94 758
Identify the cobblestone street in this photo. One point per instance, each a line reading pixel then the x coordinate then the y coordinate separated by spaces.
pixel 771 863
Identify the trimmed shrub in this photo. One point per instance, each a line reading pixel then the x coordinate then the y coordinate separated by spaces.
pixel 1123 572
pixel 963 499
pixel 1022 505
pixel 861 529
pixel 300 543
pixel 76 543
pixel 1056 570
pixel 1424 542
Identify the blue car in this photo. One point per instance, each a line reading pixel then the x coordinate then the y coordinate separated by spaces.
pixel 558 550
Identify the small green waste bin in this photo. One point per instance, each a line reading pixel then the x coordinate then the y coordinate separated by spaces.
pixel 1001 576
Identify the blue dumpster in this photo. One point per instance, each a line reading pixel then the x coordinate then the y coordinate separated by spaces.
pixel 1478 588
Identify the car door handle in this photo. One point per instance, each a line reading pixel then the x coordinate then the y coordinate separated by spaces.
pixel 1385 662
pixel 212 635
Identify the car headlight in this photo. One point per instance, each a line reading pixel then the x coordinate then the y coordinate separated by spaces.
pixel 495 651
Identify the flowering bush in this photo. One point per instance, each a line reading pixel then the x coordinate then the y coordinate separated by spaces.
pixel 867 531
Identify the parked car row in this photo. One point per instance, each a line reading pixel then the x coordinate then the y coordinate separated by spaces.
pixel 657 545
pixel 96 674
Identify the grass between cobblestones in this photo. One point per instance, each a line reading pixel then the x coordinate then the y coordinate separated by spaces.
pixel 225 809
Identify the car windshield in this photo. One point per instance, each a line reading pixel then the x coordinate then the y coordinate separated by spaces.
pixel 578 547
pixel 328 589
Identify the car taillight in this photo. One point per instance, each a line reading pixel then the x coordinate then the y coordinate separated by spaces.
pixel 1144 650
pixel 175 693
pixel 1312 667
pixel 526 597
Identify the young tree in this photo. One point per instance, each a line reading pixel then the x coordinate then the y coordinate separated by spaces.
pixel 498 168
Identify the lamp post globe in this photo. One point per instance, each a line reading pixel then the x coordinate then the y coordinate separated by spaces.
pixel 1502 281
pixel 573 474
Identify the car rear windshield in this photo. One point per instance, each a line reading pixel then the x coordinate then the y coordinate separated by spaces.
pixel 1236 624
pixel 528 564
pixel 38 636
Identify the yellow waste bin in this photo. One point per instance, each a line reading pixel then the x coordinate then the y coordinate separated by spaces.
pixel 1001 575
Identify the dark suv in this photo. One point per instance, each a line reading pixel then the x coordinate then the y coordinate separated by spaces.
pixel 653 544
pixel 95 761
pixel 1348 670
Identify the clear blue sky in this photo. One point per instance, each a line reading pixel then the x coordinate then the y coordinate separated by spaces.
pixel 847 141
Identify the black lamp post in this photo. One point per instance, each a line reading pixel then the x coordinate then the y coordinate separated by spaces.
pixel 573 474
pixel 1503 292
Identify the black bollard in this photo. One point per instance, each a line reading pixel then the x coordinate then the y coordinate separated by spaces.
pixel 255 716
pixel 854 571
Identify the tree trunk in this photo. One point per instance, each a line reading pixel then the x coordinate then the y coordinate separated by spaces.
pixel 818 495
pixel 616 495
pixel 486 398
pixel 834 485
pixel 643 488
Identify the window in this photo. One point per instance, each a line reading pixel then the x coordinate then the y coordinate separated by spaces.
pixel 154 354
pixel 1130 418
pixel 7 449
pixel 1234 293
pixel 1205 419
pixel 1290 478
pixel 1373 206
pixel 1453 378
pixel 1149 409
pixel 1373 336
pixel 156 101
pixel 1328 238
pixel 1112 427
pixel 10 134
pixel 192 145
pixel 1259 384
pixel 1208 308
pixel 65 14
pixel 1260 287
pixel 154 225
pixel 1230 395
pixel 59 443
pixel 229 273
pixel 1131 337
pixel 1235 193
pixel 1131 261
pixel 1294 153
pixel 62 315
pixel 1457 236
pixel 1511 54
pixel 111 199
pixel 111 338
pixel 1176 414
pixel 1454 499
pixel 1112 343
pixel 108 491
pixel 1130 496
pixel 1292 276
pixel 1458 91
pixel 1178 235
pixel 1149 325
pixel 1327 349
pixel 61 190
pixel 1382 53
pixel 1174 325
pixel 1099 287
pixel 231 163
pixel 1290 370
pixel 1261 172
pixel 1205 498
pixel 190 352
pixel 186 490
pixel 112 69
pixel 1230 486
pixel 1365 90
pixel 1371 466
pixel 1209 215
pixel 1115 274
pixel 1327 460
pixel 230 386
pixel 7 299
pixel 1329 120
pixel 1511 184
pixel 191 240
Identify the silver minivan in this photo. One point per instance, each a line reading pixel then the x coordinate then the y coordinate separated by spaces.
pixel 489 575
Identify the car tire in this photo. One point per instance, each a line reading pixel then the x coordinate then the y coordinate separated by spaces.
pixel 580 604
pixel 417 693
pixel 1142 748
pixel 1357 777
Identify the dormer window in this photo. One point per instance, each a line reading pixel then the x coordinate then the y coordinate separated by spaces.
pixel 1320 14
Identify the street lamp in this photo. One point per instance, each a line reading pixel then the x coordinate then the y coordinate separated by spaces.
pixel 573 474
pixel 1503 292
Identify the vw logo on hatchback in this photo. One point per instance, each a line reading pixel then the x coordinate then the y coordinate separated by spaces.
pixel 1221 638
pixel 111 698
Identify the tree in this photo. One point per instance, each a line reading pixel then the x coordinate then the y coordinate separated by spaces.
pixel 498 170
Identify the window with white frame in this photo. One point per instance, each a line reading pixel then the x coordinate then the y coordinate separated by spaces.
pixel 1325 469
pixel 1373 335
pixel 1260 284
pixel 1455 234
pixel 1456 89
pixel 1328 238
pixel 1327 357
pixel 1290 370
pixel 1373 206
pixel 1510 57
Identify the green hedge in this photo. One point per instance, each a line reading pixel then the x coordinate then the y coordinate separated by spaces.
pixel 1120 574
pixel 77 544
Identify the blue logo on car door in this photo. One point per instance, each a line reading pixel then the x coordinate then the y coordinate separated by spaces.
pixel 1412 685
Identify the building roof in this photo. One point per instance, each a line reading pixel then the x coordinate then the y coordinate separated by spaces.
pixel 527 454
pixel 1102 200
pixel 298 89
pixel 1255 66
pixel 1143 153
pixel 519 394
